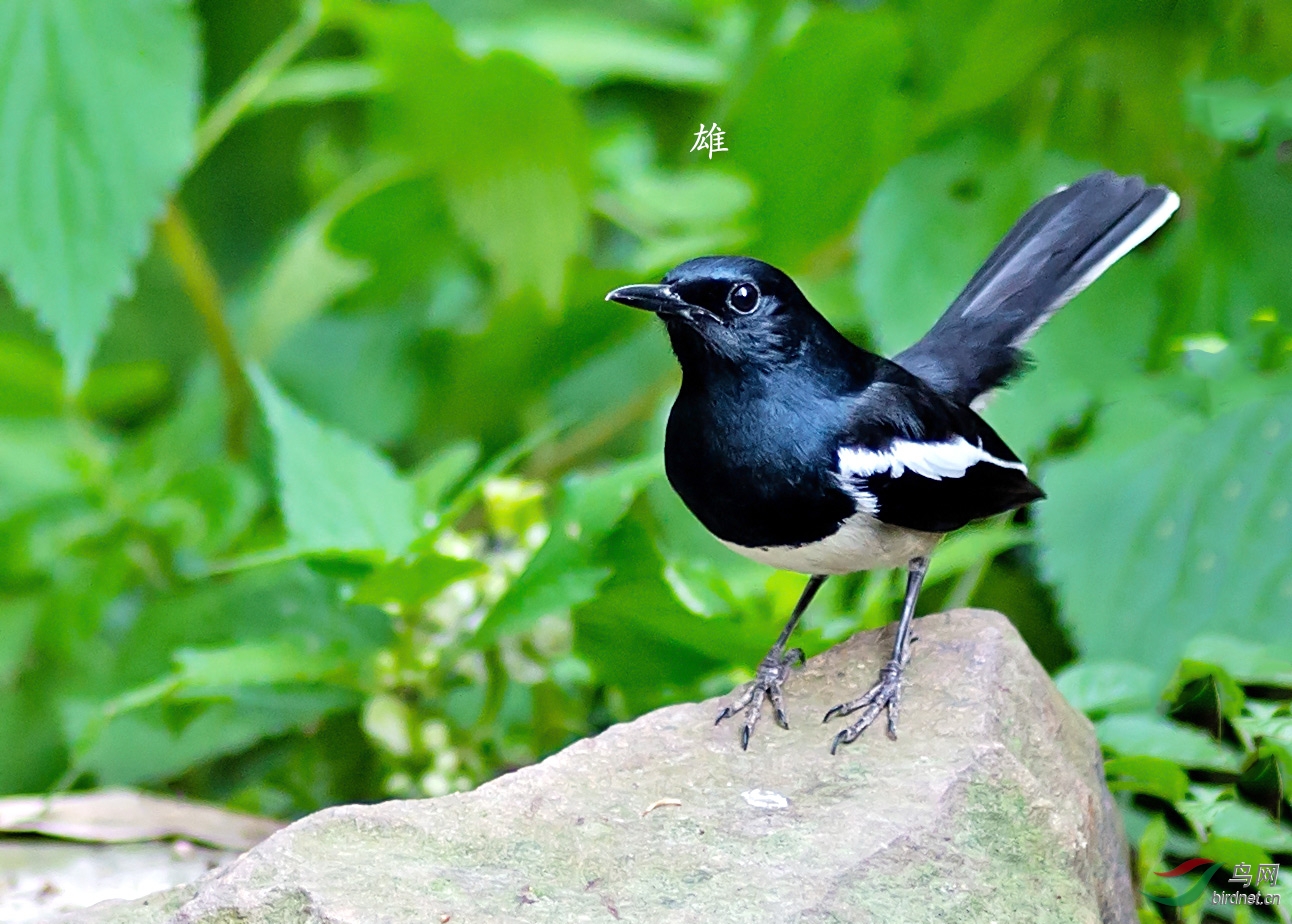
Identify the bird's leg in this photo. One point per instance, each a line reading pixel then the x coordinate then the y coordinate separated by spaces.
pixel 888 692
pixel 772 672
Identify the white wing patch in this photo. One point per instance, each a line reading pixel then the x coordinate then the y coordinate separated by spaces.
pixel 948 459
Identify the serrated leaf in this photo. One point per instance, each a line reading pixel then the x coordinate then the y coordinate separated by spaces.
pixel 1193 521
pixel 818 126
pixel 336 494
pixel 98 103
pixel 641 638
pixel 1150 735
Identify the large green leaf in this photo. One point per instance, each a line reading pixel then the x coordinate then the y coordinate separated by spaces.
pixel 1151 538
pixel 818 125
pixel 97 107
pixel 1151 735
pixel 502 135
pixel 336 494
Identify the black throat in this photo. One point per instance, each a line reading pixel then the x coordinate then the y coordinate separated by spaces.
pixel 748 442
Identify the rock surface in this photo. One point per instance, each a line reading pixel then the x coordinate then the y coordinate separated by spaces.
pixel 991 807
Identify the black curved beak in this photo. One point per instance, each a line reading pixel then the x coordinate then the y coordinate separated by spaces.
pixel 659 299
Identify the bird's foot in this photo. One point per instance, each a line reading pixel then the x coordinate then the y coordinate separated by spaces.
pixel 887 694
pixel 767 683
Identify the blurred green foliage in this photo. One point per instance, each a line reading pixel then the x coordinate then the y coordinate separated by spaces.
pixel 326 474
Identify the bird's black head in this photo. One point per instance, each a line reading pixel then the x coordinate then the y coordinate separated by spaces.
pixel 733 309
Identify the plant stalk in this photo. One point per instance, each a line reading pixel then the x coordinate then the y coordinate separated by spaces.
pixel 242 95
pixel 196 276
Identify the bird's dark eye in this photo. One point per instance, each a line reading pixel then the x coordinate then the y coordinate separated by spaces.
pixel 743 297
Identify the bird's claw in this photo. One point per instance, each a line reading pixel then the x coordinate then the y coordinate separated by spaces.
pixel 886 694
pixel 767 683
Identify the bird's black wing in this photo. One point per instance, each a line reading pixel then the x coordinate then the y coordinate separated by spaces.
pixel 914 459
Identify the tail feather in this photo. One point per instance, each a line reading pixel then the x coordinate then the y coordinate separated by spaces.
pixel 1060 246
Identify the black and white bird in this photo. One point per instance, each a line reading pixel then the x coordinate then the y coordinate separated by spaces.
pixel 799 449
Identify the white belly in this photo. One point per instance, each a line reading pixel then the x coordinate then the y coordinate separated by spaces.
pixel 860 544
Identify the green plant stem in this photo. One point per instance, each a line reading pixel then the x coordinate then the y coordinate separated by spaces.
pixel 253 82
pixel 199 281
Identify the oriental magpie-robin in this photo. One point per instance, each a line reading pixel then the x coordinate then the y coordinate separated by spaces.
pixel 799 449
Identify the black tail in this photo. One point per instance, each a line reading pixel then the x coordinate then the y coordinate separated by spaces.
pixel 1059 247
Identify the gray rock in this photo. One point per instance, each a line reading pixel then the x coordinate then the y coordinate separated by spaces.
pixel 991 807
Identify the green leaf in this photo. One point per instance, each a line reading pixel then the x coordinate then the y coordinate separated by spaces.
pixel 1193 521
pixel 1229 695
pixel 200 671
pixel 142 747
pixel 98 103
pixel 124 390
pixel 1243 822
pixel 974 546
pixel 641 638
pixel 1239 109
pixel 998 51
pixel 37 464
pixel 18 618
pixel 564 571
pixel 504 138
pixel 1150 735
pixel 585 50
pixel 336 494
pixel 1247 661
pixel 1152 844
pixel 30 379
pixel 1108 686
pixel 815 153
pixel 411 583
pixel 306 274
pixel 281 604
pixel 1265 720
pixel 437 477
pixel 1151 776
pixel 318 82
pixel 356 371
